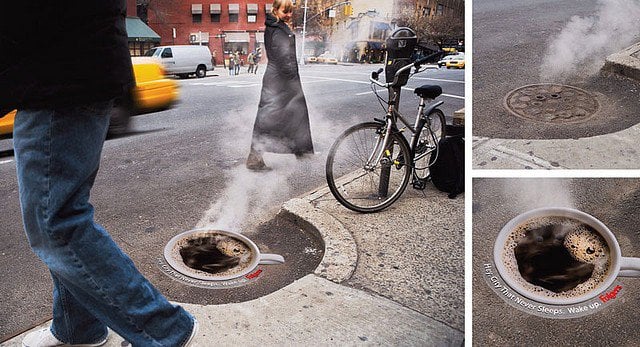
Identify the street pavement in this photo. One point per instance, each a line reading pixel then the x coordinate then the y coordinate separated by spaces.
pixel 617 150
pixel 392 278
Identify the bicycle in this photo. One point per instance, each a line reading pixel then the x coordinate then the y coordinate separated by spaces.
pixel 370 164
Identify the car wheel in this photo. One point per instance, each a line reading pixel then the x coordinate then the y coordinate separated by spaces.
pixel 201 71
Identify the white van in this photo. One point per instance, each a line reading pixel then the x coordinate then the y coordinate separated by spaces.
pixel 184 60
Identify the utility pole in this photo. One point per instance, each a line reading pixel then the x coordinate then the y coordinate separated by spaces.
pixel 304 32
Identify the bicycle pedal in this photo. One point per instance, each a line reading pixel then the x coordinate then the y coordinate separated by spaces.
pixel 419 184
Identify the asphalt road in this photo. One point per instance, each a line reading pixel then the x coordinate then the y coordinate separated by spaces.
pixel 510 42
pixel 615 202
pixel 183 168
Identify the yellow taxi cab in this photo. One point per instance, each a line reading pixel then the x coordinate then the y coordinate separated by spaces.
pixel 457 62
pixel 153 92
pixel 6 124
pixel 327 58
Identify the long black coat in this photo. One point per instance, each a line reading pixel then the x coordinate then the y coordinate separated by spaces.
pixel 282 123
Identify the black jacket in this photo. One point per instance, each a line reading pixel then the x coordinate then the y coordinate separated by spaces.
pixel 282 123
pixel 62 53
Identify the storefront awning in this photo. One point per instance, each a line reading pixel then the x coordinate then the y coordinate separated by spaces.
pixel 140 32
pixel 260 37
pixel 236 37
pixel 215 9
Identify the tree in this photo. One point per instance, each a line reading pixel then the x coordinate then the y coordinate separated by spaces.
pixel 438 29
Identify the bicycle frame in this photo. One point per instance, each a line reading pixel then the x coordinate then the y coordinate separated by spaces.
pixel 391 121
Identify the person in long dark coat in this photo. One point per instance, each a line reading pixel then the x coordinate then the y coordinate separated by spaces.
pixel 282 123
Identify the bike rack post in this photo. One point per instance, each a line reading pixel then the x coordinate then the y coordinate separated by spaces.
pixel 385 174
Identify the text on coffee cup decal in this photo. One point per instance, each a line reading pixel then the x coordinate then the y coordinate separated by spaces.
pixel 610 295
pixel 548 311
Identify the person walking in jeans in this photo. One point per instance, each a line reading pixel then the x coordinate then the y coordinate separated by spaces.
pixel 64 101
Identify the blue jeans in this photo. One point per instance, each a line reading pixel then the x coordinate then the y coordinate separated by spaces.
pixel 95 284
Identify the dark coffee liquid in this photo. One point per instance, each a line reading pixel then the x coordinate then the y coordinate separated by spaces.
pixel 544 260
pixel 203 254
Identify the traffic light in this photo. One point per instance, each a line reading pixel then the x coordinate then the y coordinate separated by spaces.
pixel 348 10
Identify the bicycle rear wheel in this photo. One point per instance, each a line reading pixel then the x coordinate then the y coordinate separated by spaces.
pixel 432 132
pixel 361 188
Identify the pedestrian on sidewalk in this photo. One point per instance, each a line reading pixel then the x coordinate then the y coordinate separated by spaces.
pixel 256 60
pixel 59 131
pixel 232 65
pixel 282 122
pixel 236 62
pixel 251 62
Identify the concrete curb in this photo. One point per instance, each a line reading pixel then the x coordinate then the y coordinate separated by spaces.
pixel 625 62
pixel 340 254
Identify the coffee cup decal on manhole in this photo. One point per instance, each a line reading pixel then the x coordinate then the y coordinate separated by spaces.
pixel 560 256
pixel 215 255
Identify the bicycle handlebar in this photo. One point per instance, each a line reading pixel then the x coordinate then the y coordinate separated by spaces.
pixel 374 75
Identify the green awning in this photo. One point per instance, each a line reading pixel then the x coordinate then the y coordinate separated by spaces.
pixel 140 32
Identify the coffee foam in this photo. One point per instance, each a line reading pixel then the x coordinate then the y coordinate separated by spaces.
pixel 228 245
pixel 578 238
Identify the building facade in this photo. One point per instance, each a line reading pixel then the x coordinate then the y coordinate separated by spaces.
pixel 225 26
pixel 353 31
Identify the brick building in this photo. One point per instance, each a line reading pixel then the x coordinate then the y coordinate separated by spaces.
pixel 224 25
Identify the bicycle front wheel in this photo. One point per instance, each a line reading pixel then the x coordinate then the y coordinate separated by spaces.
pixel 426 151
pixel 356 180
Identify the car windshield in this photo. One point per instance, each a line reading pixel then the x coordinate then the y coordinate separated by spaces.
pixel 150 52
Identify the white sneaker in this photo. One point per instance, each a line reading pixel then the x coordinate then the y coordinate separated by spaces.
pixel 194 332
pixel 44 338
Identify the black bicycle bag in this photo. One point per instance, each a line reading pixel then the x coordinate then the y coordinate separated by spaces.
pixel 447 172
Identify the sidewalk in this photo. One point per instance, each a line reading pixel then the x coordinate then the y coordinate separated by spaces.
pixel 389 278
pixel 619 150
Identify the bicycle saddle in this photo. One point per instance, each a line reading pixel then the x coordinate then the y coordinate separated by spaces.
pixel 428 91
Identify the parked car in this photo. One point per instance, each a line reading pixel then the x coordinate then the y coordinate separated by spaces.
pixel 153 92
pixel 443 62
pixel 327 58
pixel 184 60
pixel 457 62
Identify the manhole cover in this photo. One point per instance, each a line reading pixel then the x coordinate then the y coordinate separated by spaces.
pixel 214 259
pixel 551 103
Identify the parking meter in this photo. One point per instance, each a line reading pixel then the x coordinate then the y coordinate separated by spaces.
pixel 400 46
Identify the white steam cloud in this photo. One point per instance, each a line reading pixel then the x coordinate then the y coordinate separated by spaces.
pixel 582 46
pixel 248 194
pixel 529 194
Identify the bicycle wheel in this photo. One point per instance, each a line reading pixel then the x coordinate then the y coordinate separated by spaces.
pixel 432 132
pixel 365 188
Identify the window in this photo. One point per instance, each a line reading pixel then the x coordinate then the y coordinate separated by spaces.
pixel 252 13
pixel 439 10
pixel 196 13
pixel 167 53
pixel 234 11
pixel 214 11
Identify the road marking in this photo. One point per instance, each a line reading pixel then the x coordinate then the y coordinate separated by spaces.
pixel 362 82
pixel 6 161
pixel 438 79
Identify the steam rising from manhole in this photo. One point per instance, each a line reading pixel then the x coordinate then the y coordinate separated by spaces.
pixel 214 259
pixel 551 103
